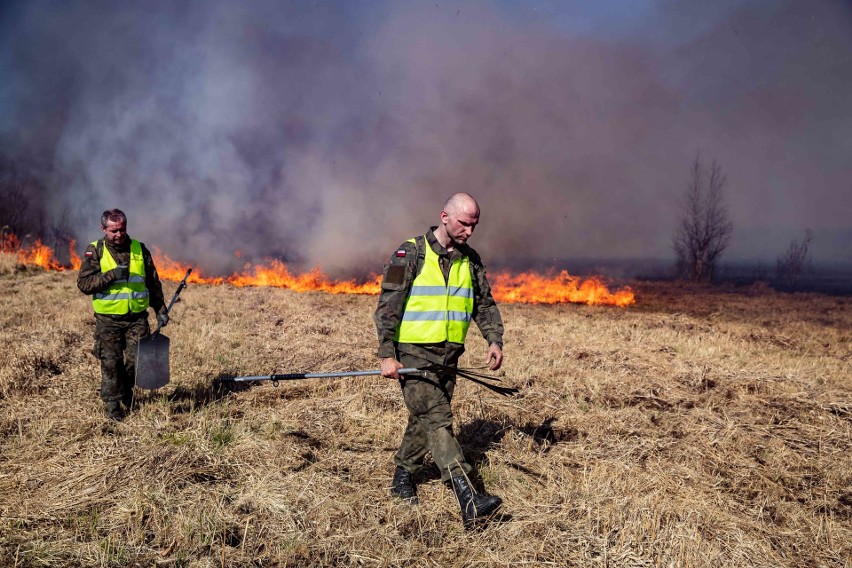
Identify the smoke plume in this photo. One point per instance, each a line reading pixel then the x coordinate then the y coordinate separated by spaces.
pixel 325 134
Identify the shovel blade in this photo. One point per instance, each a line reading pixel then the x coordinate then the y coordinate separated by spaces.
pixel 152 362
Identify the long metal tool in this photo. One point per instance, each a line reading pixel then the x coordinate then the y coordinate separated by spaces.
pixel 152 356
pixel 433 367
pixel 296 376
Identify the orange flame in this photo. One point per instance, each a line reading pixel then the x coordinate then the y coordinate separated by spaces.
pixel 275 274
pixel 76 263
pixel 533 288
pixel 527 287
pixel 38 254
pixel 278 275
pixel 9 243
pixel 173 270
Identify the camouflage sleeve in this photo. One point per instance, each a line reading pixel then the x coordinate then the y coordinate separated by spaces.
pixel 90 279
pixel 398 275
pixel 152 282
pixel 485 311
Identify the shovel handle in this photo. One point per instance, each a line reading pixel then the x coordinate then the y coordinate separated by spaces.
pixel 297 376
pixel 180 287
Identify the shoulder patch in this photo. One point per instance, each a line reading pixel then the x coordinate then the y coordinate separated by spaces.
pixel 395 274
pixel 88 253
pixel 400 253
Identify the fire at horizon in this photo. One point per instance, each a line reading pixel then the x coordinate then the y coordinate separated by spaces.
pixel 527 287
pixel 38 254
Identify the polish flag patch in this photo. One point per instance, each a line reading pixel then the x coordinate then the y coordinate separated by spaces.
pixel 88 253
pixel 400 253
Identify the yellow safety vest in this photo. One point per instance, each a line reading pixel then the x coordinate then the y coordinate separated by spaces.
pixel 123 296
pixel 437 310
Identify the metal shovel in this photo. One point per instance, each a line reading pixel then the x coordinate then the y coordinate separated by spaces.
pixel 152 356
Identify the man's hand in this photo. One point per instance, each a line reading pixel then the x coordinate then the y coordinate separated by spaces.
pixel 121 272
pixel 390 366
pixel 494 359
pixel 163 319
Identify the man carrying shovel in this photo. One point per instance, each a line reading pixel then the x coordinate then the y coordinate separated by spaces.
pixel 119 273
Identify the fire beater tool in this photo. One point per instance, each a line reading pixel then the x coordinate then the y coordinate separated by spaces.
pixel 152 357
pixel 478 378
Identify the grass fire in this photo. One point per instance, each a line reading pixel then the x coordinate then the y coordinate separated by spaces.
pixel 659 192
pixel 528 287
pixel 702 426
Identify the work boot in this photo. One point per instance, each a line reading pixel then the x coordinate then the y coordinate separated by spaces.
pixel 127 399
pixel 474 507
pixel 403 486
pixel 113 411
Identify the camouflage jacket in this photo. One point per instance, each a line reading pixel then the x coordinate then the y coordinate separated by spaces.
pixel 400 272
pixel 90 279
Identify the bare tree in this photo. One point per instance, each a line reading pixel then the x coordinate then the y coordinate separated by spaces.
pixel 790 265
pixel 704 228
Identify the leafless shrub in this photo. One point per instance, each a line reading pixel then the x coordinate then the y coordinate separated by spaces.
pixel 704 229
pixel 790 265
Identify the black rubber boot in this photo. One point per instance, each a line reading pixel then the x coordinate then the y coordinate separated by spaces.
pixel 475 508
pixel 403 486
pixel 113 411
pixel 127 399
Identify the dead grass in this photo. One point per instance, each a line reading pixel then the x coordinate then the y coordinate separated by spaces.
pixel 699 428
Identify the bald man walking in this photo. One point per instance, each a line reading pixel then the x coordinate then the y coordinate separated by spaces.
pixel 432 287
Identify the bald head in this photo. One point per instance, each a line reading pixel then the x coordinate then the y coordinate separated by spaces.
pixel 458 220
pixel 462 203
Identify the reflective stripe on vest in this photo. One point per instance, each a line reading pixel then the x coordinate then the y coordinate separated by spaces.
pixel 123 296
pixel 436 310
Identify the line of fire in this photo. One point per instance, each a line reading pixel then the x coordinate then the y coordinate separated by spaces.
pixel 525 287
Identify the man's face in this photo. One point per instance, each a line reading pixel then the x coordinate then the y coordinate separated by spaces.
pixel 459 225
pixel 115 232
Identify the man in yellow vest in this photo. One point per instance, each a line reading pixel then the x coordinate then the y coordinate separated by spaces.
pixel 432 287
pixel 119 273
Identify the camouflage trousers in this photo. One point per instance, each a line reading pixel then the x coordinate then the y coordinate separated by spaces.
pixel 116 343
pixel 430 423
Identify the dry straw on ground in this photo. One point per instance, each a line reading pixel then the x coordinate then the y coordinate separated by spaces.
pixel 699 428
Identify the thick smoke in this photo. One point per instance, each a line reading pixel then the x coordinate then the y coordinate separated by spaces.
pixel 326 134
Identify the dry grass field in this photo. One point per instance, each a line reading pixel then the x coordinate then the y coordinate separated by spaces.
pixel 700 427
